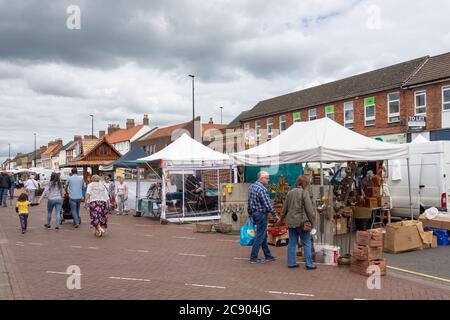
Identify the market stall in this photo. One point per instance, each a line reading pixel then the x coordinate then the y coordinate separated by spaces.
pixel 190 178
pixel 321 140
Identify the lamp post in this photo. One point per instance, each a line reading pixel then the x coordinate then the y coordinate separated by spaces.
pixel 92 131
pixel 9 156
pixel 193 107
pixel 35 150
pixel 221 122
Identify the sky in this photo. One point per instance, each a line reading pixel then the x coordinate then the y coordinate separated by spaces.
pixel 61 61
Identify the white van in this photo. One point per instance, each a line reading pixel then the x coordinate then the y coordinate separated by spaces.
pixel 430 179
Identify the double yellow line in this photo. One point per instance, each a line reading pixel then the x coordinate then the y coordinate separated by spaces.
pixel 419 274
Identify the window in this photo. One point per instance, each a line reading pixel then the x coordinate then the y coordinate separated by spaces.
pixel 312 114
pixel 420 102
pixel 297 116
pixel 269 128
pixel 369 111
pixel 393 107
pixel 329 111
pixel 348 115
pixel 446 98
pixel 103 150
pixel 282 123
pixel 258 130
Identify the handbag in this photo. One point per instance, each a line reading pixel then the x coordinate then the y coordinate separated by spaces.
pixel 247 234
pixel 306 226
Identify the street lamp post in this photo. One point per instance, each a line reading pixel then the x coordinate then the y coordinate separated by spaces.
pixel 35 165
pixel 221 122
pixel 92 131
pixel 9 156
pixel 193 107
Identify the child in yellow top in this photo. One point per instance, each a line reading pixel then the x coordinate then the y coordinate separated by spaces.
pixel 22 206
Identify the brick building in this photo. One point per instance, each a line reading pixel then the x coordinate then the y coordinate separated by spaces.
pixel 377 104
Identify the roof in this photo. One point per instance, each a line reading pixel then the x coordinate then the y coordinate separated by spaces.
pixel 236 121
pixel 66 146
pixel 209 126
pixel 51 150
pixel 435 68
pixel 381 79
pixel 87 145
pixel 84 163
pixel 166 131
pixel 320 140
pixel 123 134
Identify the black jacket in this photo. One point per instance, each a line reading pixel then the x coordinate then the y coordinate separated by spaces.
pixel 5 182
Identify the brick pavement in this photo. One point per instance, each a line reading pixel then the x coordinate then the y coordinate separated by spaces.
pixel 140 259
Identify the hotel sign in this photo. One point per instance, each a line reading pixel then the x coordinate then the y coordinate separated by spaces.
pixel 417 123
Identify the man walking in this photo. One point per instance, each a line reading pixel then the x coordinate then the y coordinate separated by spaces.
pixel 5 185
pixel 75 185
pixel 12 179
pixel 259 205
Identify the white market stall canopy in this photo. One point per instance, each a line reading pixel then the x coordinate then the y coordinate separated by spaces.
pixel 319 140
pixel 188 152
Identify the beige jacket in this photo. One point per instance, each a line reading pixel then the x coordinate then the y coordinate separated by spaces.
pixel 297 208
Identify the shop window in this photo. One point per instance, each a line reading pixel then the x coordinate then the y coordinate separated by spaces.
pixel 312 114
pixel 393 107
pixel 348 115
pixel 420 98
pixel 369 111
pixel 269 128
pixel 297 116
pixel 446 98
pixel 329 111
pixel 282 123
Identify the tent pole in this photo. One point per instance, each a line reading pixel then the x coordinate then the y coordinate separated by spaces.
pixel 182 178
pixel 137 191
pixel 163 195
pixel 409 190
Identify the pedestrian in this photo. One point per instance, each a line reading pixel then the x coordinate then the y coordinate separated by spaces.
pixel 12 179
pixel 31 185
pixel 122 196
pixel 5 185
pixel 55 193
pixel 259 206
pixel 75 185
pixel 22 206
pixel 298 209
pixel 109 185
pixel 97 201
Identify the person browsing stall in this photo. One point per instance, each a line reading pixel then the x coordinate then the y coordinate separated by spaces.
pixel 259 206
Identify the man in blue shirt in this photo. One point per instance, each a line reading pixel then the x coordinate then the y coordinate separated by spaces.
pixel 75 185
pixel 259 205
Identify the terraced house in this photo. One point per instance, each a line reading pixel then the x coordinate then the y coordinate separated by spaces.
pixel 392 104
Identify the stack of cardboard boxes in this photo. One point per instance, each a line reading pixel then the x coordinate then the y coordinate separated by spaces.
pixel 407 236
pixel 368 251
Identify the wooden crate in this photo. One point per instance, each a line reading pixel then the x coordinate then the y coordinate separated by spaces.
pixel 361 266
pixel 367 253
pixel 369 238
pixel 373 191
pixel 384 202
pixel 371 202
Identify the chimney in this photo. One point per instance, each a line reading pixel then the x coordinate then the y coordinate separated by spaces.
pixel 76 138
pixel 130 123
pixel 101 133
pixel 146 121
pixel 211 121
pixel 112 128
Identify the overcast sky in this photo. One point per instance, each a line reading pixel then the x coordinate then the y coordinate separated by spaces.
pixel 134 57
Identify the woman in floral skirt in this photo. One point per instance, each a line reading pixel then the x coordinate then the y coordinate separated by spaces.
pixel 97 199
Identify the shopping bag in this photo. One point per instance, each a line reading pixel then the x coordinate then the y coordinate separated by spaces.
pixel 247 233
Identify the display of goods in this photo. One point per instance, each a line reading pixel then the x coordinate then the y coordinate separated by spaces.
pixel 276 231
pixel 367 253
pixel 369 238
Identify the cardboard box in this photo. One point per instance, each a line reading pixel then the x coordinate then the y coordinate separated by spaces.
pixel 370 238
pixel 361 266
pixel 384 202
pixel 403 236
pixel 438 222
pixel 434 243
pixel 427 239
pixel 367 253
pixel 371 202
pixel 341 225
pixel 362 213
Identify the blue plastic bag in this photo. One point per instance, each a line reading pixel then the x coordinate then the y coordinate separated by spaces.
pixel 247 233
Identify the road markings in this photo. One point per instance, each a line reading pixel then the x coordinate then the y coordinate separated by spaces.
pixel 20 245
pixel 187 238
pixel 66 273
pixel 78 247
pixel 35 243
pixel 145 251
pixel 191 254
pixel 134 250
pixel 114 223
pixel 147 235
pixel 94 248
pixel 204 286
pixel 359 299
pixel 236 258
pixel 227 240
pixel 129 279
pixel 419 274
pixel 292 293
